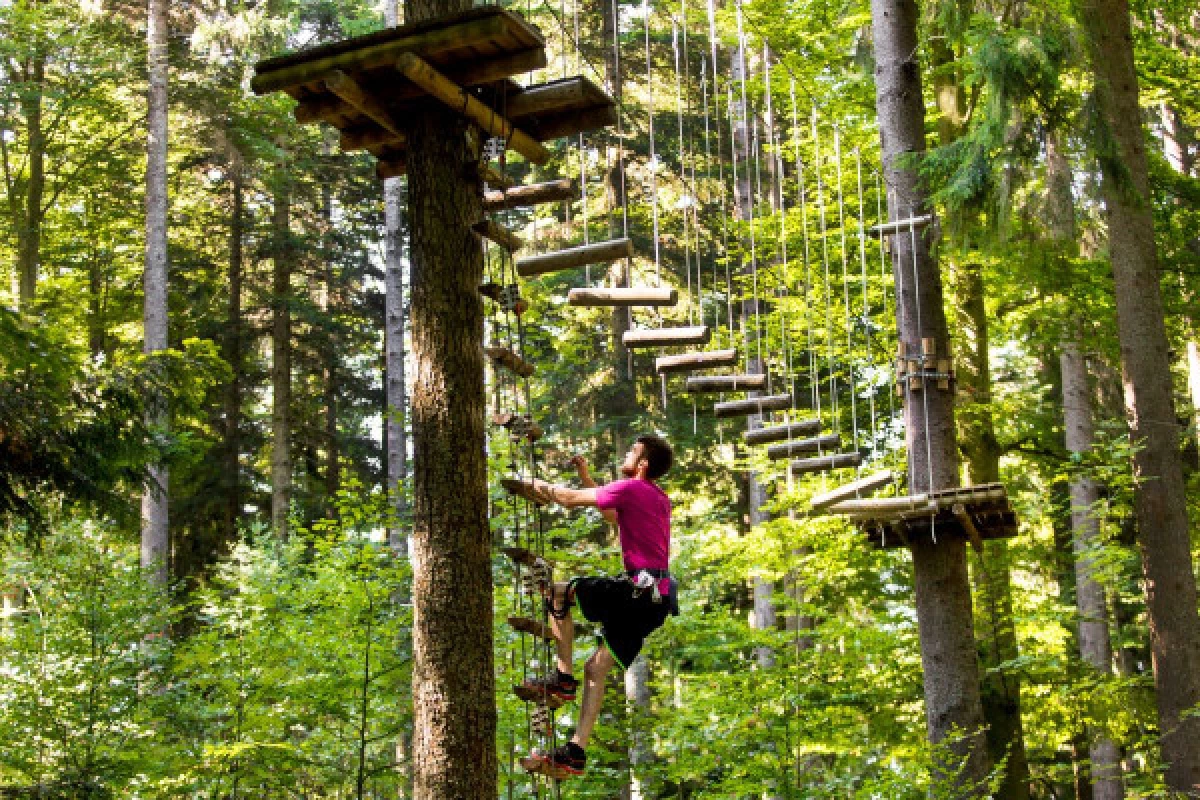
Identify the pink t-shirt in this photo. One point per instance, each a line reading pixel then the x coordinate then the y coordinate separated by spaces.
pixel 643 521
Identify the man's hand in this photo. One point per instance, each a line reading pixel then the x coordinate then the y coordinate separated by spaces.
pixel 581 466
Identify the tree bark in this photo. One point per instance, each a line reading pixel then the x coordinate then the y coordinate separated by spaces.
pixel 281 353
pixel 943 592
pixel 453 672
pixel 29 219
pixel 155 544
pixel 1159 498
pixel 233 354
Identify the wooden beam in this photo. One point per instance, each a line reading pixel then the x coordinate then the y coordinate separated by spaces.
pixel 968 525
pixel 533 626
pixel 499 234
pixel 524 557
pixel 852 490
pixel 666 337
pixel 529 195
pixel 703 384
pixel 884 507
pixel 520 489
pixel 440 39
pixel 902 225
pixel 507 359
pixel 753 405
pixel 573 257
pixel 814 445
pixel 458 99
pixel 622 297
pixel 364 138
pixel 685 362
pixel 779 433
pixel 825 463
pixel 571 123
pixel 348 90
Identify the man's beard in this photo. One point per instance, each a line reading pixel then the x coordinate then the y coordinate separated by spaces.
pixel 628 471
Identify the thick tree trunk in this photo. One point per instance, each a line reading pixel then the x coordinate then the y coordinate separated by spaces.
pixel 943 591
pixel 454 748
pixel 1000 691
pixel 281 354
pixel 1159 499
pixel 29 220
pixel 233 356
pixel 155 533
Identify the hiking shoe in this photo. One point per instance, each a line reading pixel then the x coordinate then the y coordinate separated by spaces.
pixel 554 690
pixel 564 762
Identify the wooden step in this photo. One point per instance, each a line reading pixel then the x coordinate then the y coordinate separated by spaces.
pixel 573 257
pixel 507 359
pixel 803 466
pixel 538 766
pixel 532 626
pixel 508 297
pixel 902 225
pixel 666 337
pixel 779 433
pixel 520 426
pixel 698 384
pixel 640 296
pixel 499 234
pixel 753 405
pixel 853 489
pixel 685 362
pixel 799 446
pixel 524 557
pixel 520 489
pixel 541 698
pixel 529 195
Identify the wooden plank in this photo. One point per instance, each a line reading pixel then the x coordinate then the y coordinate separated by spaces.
pixel 666 337
pixel 707 384
pixel 460 100
pixel 753 405
pixel 499 234
pixel 520 489
pixel 803 466
pixel 637 296
pixel 902 225
pixel 815 444
pixel 883 506
pixel 685 362
pixel 779 433
pixel 573 257
pixel 507 359
pixel 552 96
pixel 530 194
pixel 540 766
pixel 853 489
pixel 430 38
pixel 571 123
pixel 532 626
pixel 524 557
pixel 968 525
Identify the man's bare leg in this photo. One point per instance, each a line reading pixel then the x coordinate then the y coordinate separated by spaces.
pixel 563 630
pixel 594 672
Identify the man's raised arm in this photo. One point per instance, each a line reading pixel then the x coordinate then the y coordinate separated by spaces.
pixel 564 495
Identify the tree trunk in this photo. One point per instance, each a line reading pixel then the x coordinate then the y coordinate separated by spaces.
pixel 637 694
pixel 155 533
pixel 1159 499
pixel 1000 691
pixel 29 220
pixel 329 354
pixel 396 400
pixel 281 353
pixel 454 723
pixel 943 590
pixel 233 355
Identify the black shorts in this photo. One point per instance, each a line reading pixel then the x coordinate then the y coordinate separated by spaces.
pixel 627 615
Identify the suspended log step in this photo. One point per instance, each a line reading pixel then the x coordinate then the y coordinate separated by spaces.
pixel 753 405
pixel 531 194
pixel 507 296
pixel 499 234
pixel 851 490
pixel 885 507
pixel 685 362
pixel 779 433
pixel 519 426
pixel 533 627
pixel 815 444
pixel 666 337
pixel 525 557
pixel 520 489
pixel 573 257
pixel 506 359
pixel 803 466
pixel 622 297
pixel 700 384
pixel 902 225
pixel 458 99
pixel 535 765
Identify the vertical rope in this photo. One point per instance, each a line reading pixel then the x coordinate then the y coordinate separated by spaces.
pixel 851 380
pixel 653 154
pixel 833 398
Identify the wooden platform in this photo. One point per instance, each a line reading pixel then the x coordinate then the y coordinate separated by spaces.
pixel 367 86
pixel 974 513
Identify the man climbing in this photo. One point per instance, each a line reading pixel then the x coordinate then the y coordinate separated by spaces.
pixel 629 607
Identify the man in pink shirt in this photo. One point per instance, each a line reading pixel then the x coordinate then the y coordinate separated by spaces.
pixel 629 607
